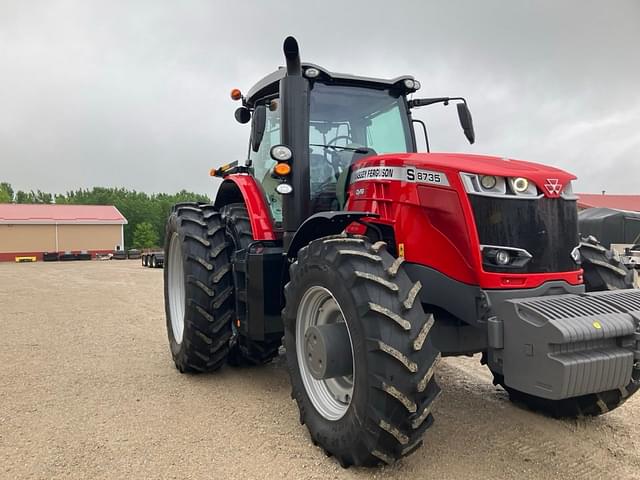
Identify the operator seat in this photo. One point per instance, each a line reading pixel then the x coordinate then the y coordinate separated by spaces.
pixel 350 157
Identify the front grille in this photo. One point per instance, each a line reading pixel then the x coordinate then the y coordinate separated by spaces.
pixel 545 227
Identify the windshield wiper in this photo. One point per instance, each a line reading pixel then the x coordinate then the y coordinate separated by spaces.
pixel 351 149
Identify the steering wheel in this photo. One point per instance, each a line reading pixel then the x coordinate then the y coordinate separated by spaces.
pixel 339 137
pixel 334 157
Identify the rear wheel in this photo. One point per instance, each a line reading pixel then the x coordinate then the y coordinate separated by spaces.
pixel 153 262
pixel 358 351
pixel 198 288
pixel 602 269
pixel 244 351
pixel 144 260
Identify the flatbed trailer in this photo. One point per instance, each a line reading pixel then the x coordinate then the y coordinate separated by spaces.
pixel 152 258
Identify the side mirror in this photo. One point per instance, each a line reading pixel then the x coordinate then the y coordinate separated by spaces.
pixel 257 126
pixel 243 115
pixel 466 121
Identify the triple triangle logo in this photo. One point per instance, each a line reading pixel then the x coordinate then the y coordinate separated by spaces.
pixel 553 186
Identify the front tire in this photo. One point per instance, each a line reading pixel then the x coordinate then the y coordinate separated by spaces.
pixel 379 412
pixel 590 405
pixel 198 288
pixel 602 269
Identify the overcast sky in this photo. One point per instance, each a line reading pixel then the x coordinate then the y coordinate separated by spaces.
pixel 136 93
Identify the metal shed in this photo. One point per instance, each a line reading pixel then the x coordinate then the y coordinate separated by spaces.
pixel 32 229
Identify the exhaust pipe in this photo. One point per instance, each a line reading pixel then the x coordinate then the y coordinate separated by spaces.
pixel 294 123
pixel 292 55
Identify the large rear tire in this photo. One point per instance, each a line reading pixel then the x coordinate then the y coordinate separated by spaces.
pixel 377 409
pixel 198 288
pixel 602 269
pixel 244 351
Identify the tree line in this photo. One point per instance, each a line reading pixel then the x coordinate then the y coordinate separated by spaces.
pixel 146 213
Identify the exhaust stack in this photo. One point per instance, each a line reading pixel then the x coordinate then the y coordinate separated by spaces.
pixel 292 55
pixel 294 101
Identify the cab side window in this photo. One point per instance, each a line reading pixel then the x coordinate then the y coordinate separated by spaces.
pixel 263 163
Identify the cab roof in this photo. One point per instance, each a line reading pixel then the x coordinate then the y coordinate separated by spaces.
pixel 269 84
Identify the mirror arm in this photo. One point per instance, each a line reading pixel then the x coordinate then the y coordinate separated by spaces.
pixel 424 129
pixel 423 102
pixel 463 111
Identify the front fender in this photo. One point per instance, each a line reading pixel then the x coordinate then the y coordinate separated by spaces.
pixel 321 225
pixel 238 188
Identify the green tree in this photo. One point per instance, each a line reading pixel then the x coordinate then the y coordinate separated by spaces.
pixel 22 197
pixel 6 193
pixel 33 197
pixel 145 236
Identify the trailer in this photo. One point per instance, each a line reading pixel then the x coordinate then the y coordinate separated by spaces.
pixel 152 258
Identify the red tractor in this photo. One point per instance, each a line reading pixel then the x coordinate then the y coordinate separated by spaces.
pixel 370 261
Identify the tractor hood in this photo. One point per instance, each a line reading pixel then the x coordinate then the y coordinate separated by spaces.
pixel 549 180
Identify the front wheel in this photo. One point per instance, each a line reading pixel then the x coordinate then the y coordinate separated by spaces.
pixel 359 352
pixel 602 269
pixel 590 405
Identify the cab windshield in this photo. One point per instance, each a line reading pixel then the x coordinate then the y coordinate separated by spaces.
pixel 347 123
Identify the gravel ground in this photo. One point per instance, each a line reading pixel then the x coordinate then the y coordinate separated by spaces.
pixel 88 390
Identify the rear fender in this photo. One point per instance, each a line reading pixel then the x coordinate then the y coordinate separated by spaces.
pixel 244 188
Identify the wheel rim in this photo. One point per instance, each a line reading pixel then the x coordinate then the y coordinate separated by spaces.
pixel 331 397
pixel 176 288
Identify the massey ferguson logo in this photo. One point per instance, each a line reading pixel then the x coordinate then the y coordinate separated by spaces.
pixel 553 186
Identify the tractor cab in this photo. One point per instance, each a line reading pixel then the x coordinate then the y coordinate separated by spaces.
pixel 347 117
pixel 347 123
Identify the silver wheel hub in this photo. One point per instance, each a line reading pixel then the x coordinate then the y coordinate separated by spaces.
pixel 325 353
pixel 176 294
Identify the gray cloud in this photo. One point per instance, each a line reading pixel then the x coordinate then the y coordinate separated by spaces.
pixel 135 94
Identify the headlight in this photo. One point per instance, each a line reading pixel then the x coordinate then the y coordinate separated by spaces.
pixel 496 256
pixel 522 186
pixel 492 185
pixel 488 182
pixel 311 72
pixel 503 257
pixel 484 184
pixel 281 153
pixel 409 84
